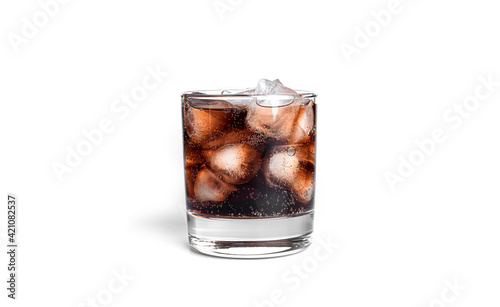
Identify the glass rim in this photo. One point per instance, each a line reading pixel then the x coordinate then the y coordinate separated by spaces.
pixel 209 94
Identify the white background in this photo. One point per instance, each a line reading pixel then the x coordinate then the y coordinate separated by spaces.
pixel 122 207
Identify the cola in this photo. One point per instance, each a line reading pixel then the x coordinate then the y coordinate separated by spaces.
pixel 251 153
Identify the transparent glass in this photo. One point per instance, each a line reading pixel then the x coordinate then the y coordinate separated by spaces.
pixel 250 172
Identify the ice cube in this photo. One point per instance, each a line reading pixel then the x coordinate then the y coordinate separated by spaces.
pixel 239 98
pixel 234 163
pixel 277 94
pixel 267 87
pixel 209 187
pixel 239 92
pixel 273 115
pixel 190 176
pixel 312 151
pixel 209 104
pixel 304 123
pixel 275 122
pixel 291 167
pixel 203 124
pixel 242 136
pixel 191 156
pixel 303 189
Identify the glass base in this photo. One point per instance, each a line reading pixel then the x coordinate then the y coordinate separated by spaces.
pixel 250 237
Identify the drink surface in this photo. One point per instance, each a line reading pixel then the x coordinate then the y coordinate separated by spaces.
pixel 249 160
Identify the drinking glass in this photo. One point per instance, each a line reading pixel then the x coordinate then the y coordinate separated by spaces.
pixel 250 172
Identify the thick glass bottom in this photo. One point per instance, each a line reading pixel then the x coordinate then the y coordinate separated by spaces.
pixel 250 237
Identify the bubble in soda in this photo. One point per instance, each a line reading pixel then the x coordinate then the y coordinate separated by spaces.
pixel 235 163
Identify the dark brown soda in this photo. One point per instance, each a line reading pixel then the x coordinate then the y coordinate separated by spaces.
pixel 253 199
